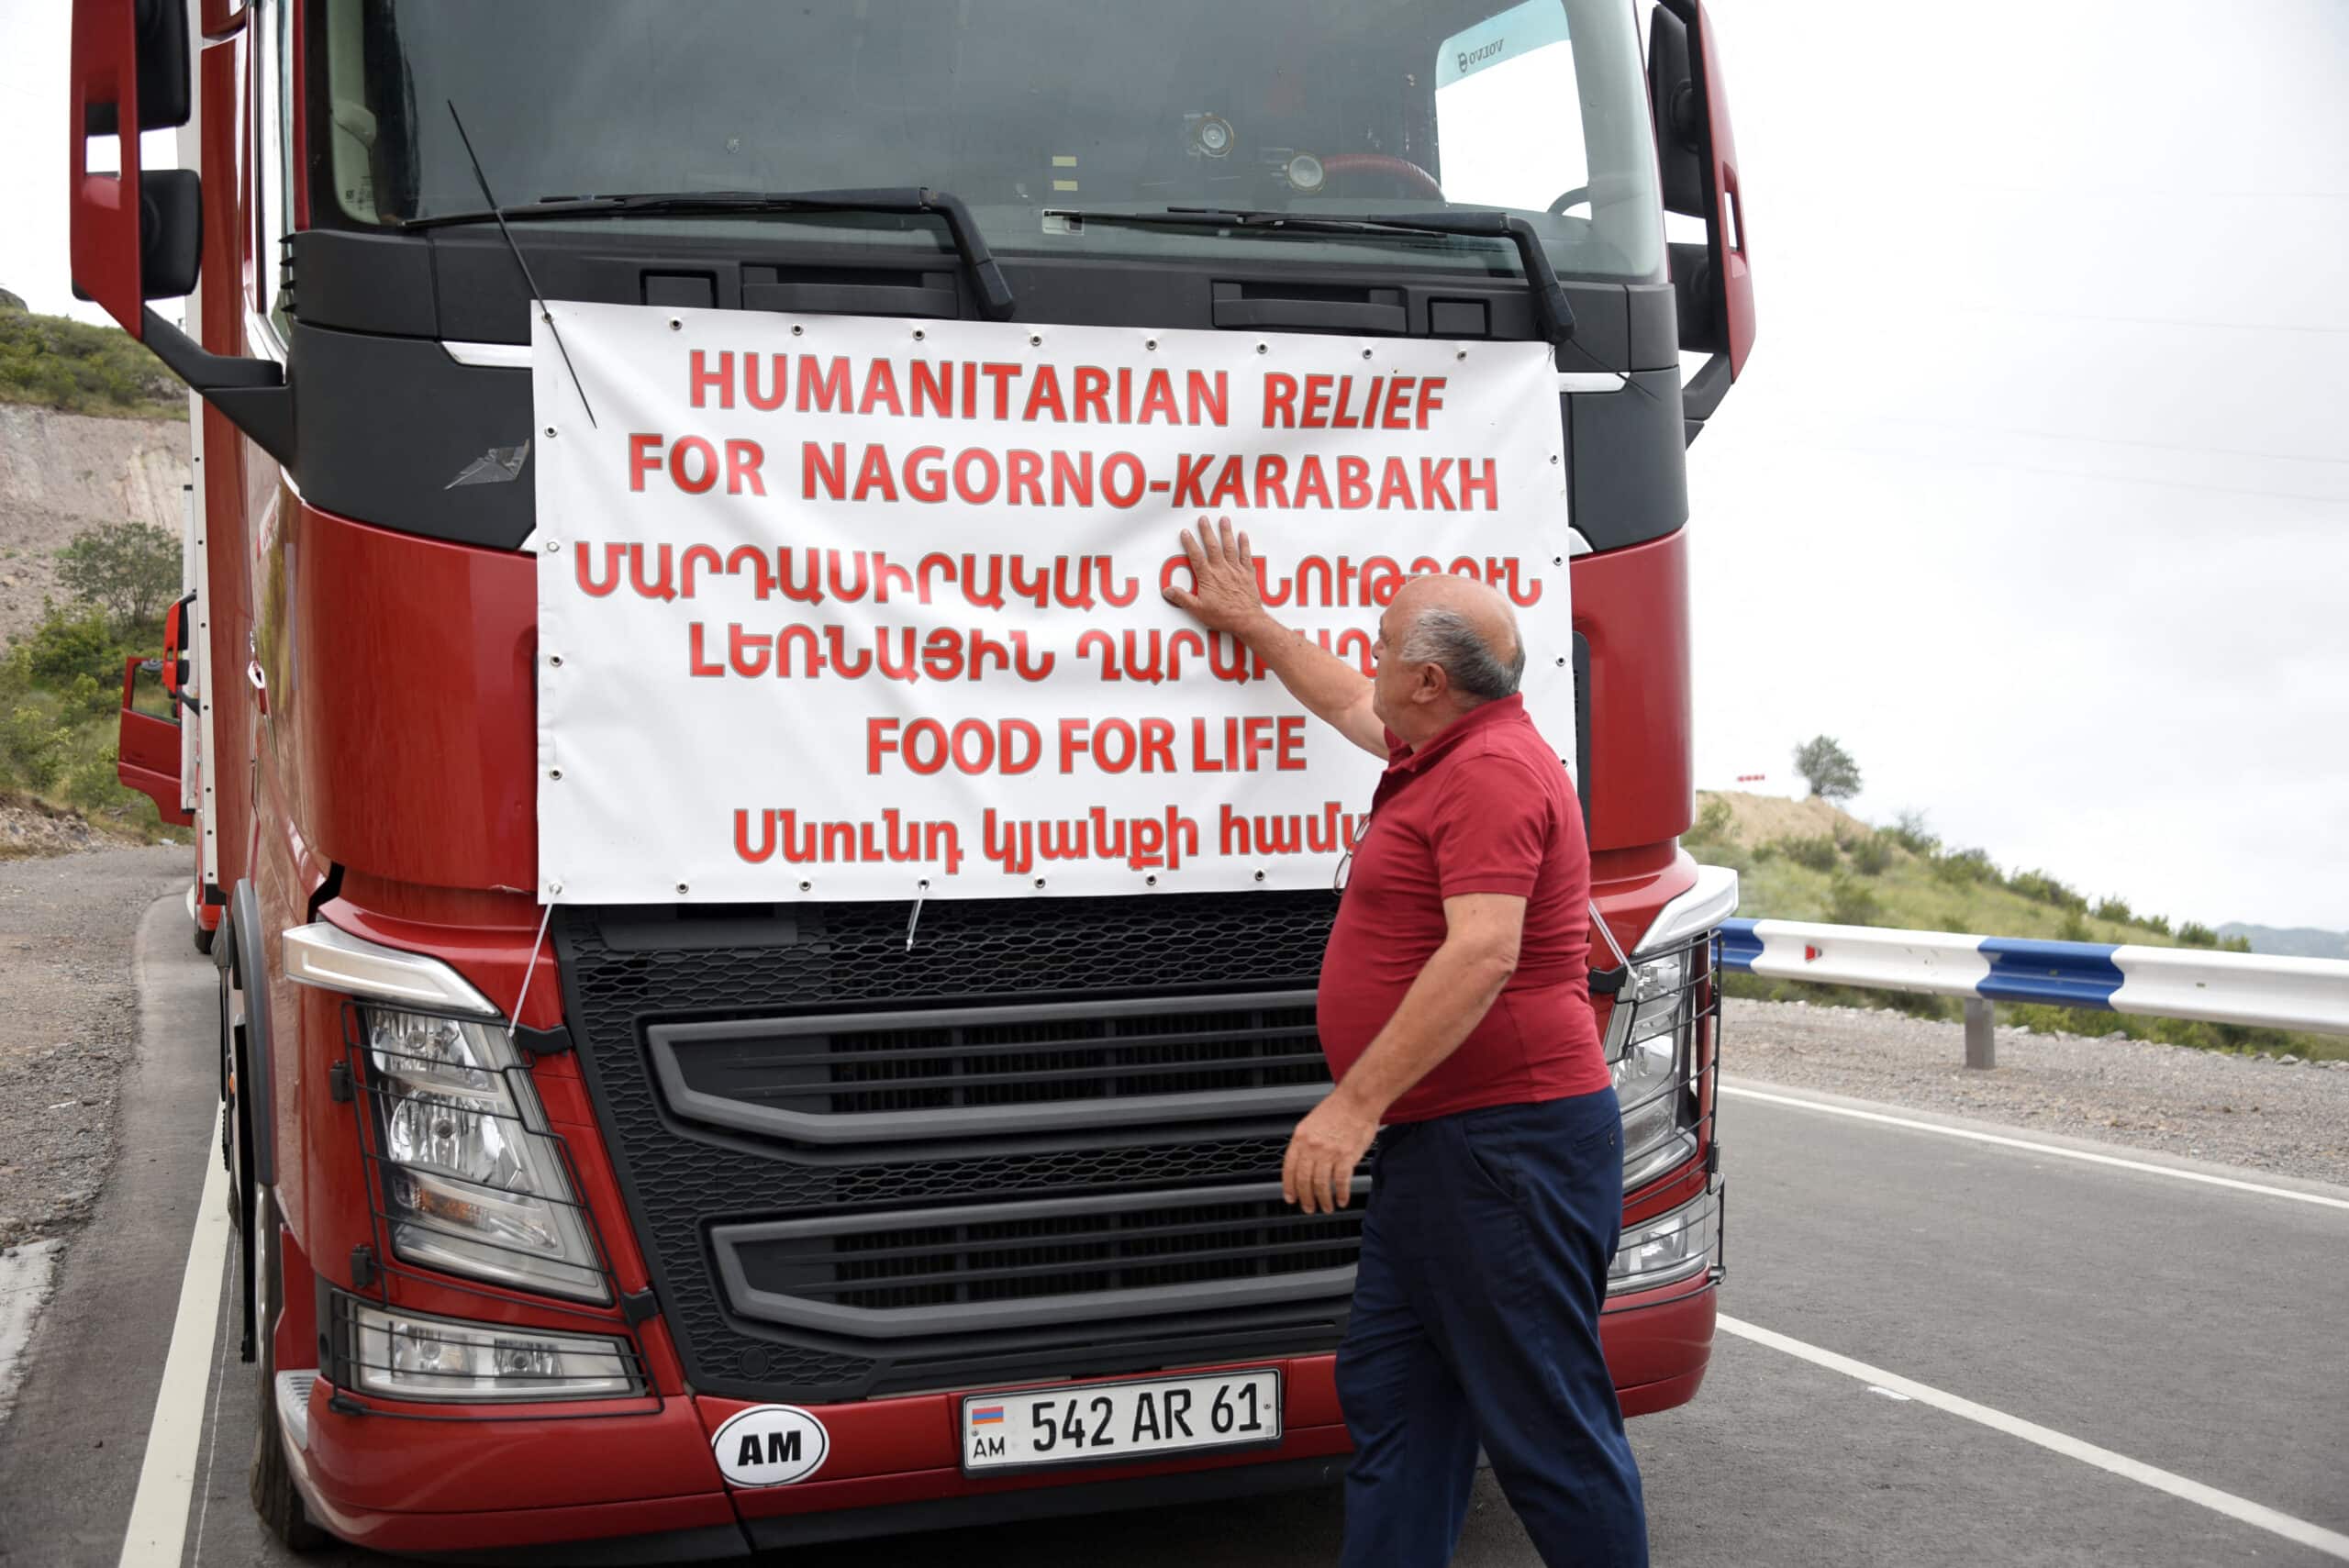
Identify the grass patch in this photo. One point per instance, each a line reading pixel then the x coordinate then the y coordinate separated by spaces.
pixel 54 361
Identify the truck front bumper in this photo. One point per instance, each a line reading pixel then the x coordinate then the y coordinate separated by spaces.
pixel 643 1485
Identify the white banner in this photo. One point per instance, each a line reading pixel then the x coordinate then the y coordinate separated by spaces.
pixel 845 608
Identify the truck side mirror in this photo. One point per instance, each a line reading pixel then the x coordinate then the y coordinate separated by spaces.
pixel 1672 104
pixel 137 236
pixel 1697 153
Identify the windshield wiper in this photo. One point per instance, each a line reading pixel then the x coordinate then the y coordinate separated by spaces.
pixel 995 295
pixel 1551 308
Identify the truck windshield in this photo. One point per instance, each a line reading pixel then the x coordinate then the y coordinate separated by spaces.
pixel 1019 106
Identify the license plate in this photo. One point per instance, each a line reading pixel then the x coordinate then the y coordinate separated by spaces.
pixel 1098 1422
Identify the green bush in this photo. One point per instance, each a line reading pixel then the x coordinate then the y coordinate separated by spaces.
pixel 1907 831
pixel 2115 909
pixel 91 783
pixel 1872 855
pixel 1817 854
pixel 1961 867
pixel 130 570
pixel 2041 888
pixel 29 743
pixel 2158 924
pixel 2194 934
pixel 2074 929
pixel 1849 903
pixel 1712 823
pixel 66 645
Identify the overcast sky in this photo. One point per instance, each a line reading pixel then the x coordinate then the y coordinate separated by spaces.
pixel 2036 491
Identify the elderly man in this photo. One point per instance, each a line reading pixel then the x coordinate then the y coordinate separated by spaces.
pixel 1454 1007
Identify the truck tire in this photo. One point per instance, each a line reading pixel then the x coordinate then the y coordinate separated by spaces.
pixel 275 1498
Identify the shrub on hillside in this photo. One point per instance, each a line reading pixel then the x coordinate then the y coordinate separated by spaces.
pixel 1849 903
pixel 1907 831
pixel 1872 855
pixel 29 743
pixel 2041 888
pixel 2115 909
pixel 67 645
pixel 130 570
pixel 2158 924
pixel 1817 854
pixel 2194 934
pixel 1963 866
pixel 2074 929
pixel 92 784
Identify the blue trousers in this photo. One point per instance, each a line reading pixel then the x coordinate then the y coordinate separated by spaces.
pixel 1475 1318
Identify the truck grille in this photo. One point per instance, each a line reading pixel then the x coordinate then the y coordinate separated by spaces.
pixel 1024 1265
pixel 840 1078
pixel 1042 1143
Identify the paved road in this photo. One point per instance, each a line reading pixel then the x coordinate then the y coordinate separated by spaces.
pixel 2182 1325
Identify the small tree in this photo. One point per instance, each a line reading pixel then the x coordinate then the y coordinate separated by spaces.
pixel 128 570
pixel 1833 773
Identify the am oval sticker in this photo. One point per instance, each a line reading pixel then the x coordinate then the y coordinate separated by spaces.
pixel 770 1445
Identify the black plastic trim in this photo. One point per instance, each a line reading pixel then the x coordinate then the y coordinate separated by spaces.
pixel 728 1242
pixel 386 423
pixel 1047 1501
pixel 1706 390
pixel 701 1543
pixel 251 976
pixel 252 393
pixel 1629 473
pixel 543 1042
pixel 866 1128
pixel 1582 726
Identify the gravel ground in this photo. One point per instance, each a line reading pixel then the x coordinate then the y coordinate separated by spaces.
pixel 68 1026
pixel 2254 1111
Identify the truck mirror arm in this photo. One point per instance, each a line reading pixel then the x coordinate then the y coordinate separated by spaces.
pixel 253 393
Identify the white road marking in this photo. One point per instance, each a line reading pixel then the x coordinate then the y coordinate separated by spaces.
pixel 212 1438
pixel 167 1475
pixel 24 1285
pixel 2057 1151
pixel 2330 1543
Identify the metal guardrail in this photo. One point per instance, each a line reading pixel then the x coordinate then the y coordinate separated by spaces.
pixel 2253 989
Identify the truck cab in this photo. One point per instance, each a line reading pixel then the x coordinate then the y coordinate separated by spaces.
pixel 718 1224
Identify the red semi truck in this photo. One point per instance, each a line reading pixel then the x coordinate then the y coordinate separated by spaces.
pixel 715 1225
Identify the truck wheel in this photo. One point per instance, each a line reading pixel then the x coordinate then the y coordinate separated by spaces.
pixel 275 1498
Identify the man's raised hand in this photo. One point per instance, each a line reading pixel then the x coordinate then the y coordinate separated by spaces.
pixel 1223 580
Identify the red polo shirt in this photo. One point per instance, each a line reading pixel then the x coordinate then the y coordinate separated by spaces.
pixel 1484 808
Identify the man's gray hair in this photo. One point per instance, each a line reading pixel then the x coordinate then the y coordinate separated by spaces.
pixel 1446 637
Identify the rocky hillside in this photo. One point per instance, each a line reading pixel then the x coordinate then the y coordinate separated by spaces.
pixel 61 472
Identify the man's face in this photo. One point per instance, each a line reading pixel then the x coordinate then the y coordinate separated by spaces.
pixel 1391 687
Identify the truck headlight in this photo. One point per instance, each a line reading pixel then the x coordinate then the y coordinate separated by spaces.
pixel 472 1181
pixel 401 1355
pixel 1672 1246
pixel 1651 1045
